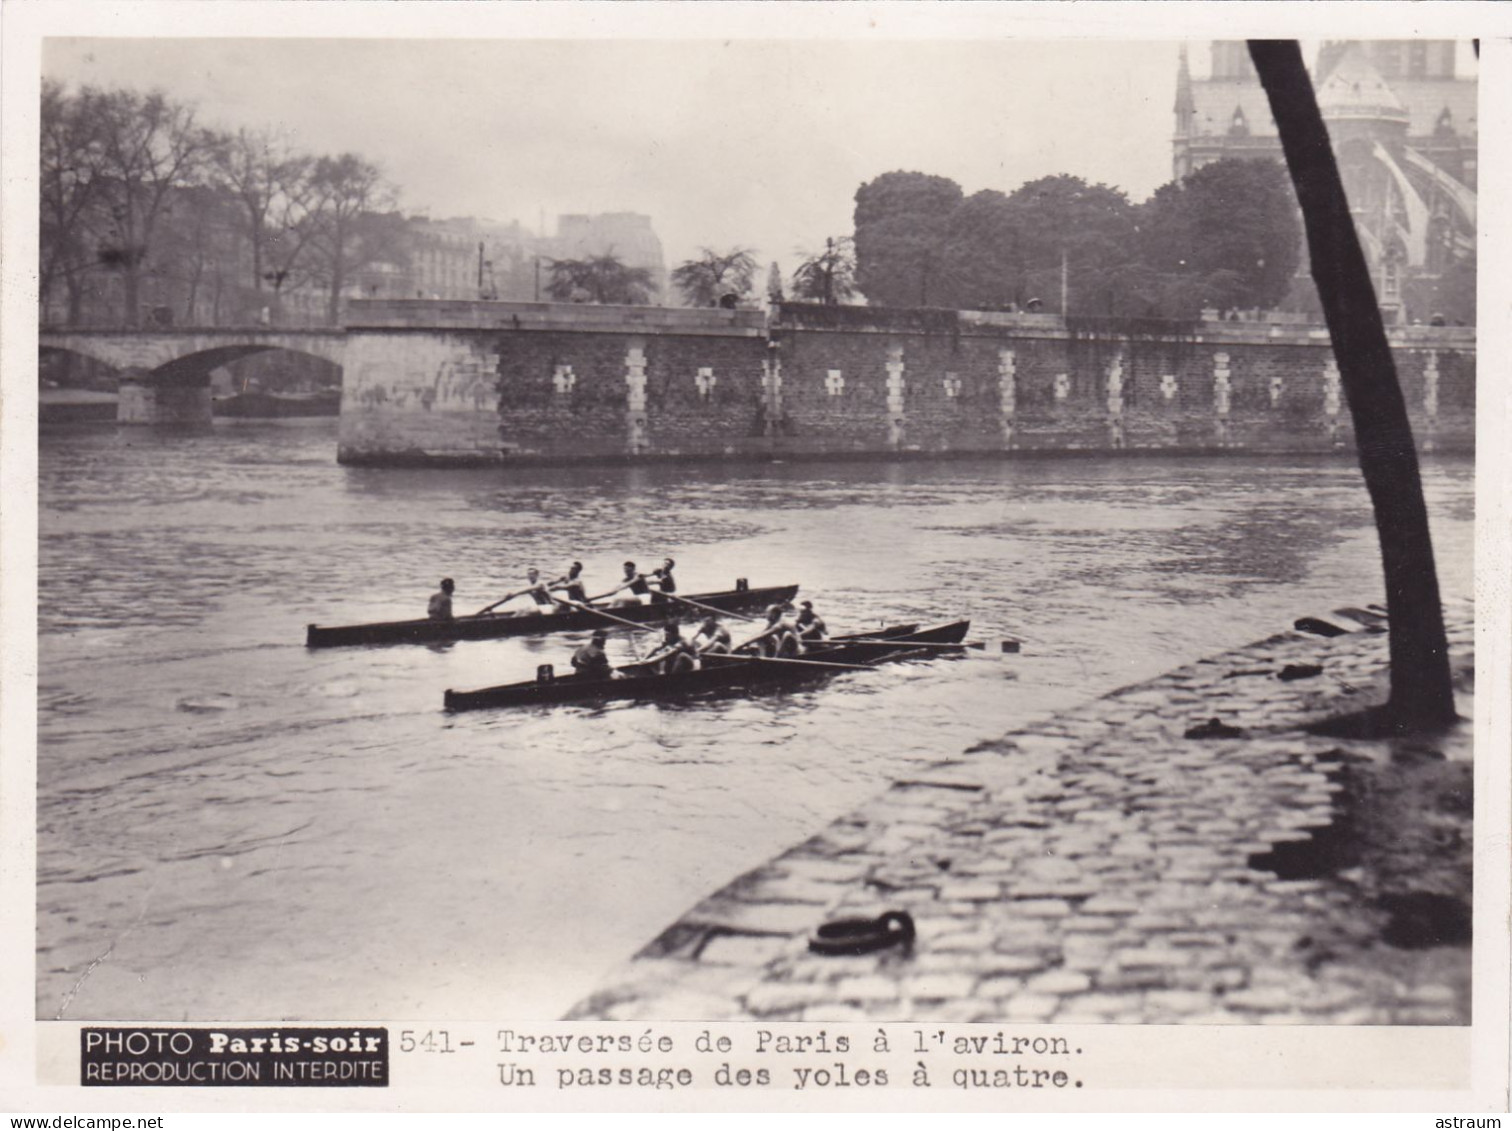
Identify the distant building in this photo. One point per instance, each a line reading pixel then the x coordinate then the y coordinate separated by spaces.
pixel 472 258
pixel 1404 129
pixel 469 258
pixel 628 235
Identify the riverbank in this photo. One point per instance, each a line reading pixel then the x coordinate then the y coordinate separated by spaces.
pixel 1126 862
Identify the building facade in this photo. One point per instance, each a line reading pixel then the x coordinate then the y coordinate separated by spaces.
pixel 1404 127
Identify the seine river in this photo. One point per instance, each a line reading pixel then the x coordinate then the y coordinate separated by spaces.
pixel 231 827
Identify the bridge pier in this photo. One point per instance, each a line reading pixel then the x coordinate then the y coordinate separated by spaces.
pixel 143 401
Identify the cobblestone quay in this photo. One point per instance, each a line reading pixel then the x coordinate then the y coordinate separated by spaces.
pixel 1102 866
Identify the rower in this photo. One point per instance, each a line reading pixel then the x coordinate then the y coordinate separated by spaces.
pixel 777 637
pixel 440 607
pixel 538 591
pixel 809 624
pixel 634 581
pixel 673 654
pixel 571 583
pixel 663 578
pixel 712 637
pixel 590 661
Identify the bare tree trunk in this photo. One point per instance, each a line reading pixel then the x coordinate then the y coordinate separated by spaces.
pixel 338 273
pixel 132 312
pixel 75 289
pixel 1422 693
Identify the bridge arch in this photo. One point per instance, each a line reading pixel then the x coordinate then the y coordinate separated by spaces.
pixel 47 351
pixel 194 369
pixel 174 351
pixel 165 374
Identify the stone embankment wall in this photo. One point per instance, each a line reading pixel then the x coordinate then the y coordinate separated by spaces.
pixel 1123 863
pixel 539 383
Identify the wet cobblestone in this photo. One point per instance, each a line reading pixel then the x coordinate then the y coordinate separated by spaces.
pixel 1095 867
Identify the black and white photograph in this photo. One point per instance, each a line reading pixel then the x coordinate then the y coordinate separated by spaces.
pixel 938 550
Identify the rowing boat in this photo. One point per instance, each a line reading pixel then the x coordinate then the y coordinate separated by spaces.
pixel 719 673
pixel 487 626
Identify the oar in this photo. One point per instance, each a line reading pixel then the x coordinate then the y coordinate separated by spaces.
pixel 710 608
pixel 970 649
pixel 906 643
pixel 805 663
pixel 500 601
pixel 600 612
pixel 974 645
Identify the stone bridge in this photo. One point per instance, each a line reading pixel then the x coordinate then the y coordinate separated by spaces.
pixel 165 373
pixel 503 383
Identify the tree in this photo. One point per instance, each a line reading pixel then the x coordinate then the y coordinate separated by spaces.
pixel 69 191
pixel 984 250
pixel 600 278
pixel 706 280
pixel 196 257
pixel 827 276
pixel 277 195
pixel 148 147
pixel 1226 235
pixel 350 225
pixel 774 283
pixel 900 222
pixel 1080 233
pixel 1422 692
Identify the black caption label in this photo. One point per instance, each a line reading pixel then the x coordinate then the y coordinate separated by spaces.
pixel 234 1058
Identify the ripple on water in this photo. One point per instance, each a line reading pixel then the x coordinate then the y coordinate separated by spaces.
pixel 182 722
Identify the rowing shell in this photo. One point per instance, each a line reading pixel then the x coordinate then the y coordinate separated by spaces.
pixel 491 625
pixel 719 673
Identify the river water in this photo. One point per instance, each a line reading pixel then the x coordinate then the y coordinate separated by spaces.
pixel 233 827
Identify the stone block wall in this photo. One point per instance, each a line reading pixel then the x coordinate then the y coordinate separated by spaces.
pixel 550 384
pixel 142 402
pixel 566 395
pixel 430 397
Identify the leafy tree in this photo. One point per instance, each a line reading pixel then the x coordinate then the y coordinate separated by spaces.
pixel 900 222
pixel 919 242
pixel 1064 222
pixel 1226 235
pixel 984 250
pixel 707 279
pixel 827 276
pixel 601 279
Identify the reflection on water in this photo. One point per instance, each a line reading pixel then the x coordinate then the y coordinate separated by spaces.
pixel 244 829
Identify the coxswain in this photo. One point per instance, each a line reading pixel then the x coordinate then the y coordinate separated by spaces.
pixel 673 654
pixel 440 607
pixel 571 583
pixel 809 624
pixel 712 638
pixel 777 637
pixel 662 576
pixel 633 585
pixel 590 661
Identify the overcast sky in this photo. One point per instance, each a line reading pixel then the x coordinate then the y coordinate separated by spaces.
pixel 722 142
pixel 761 144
